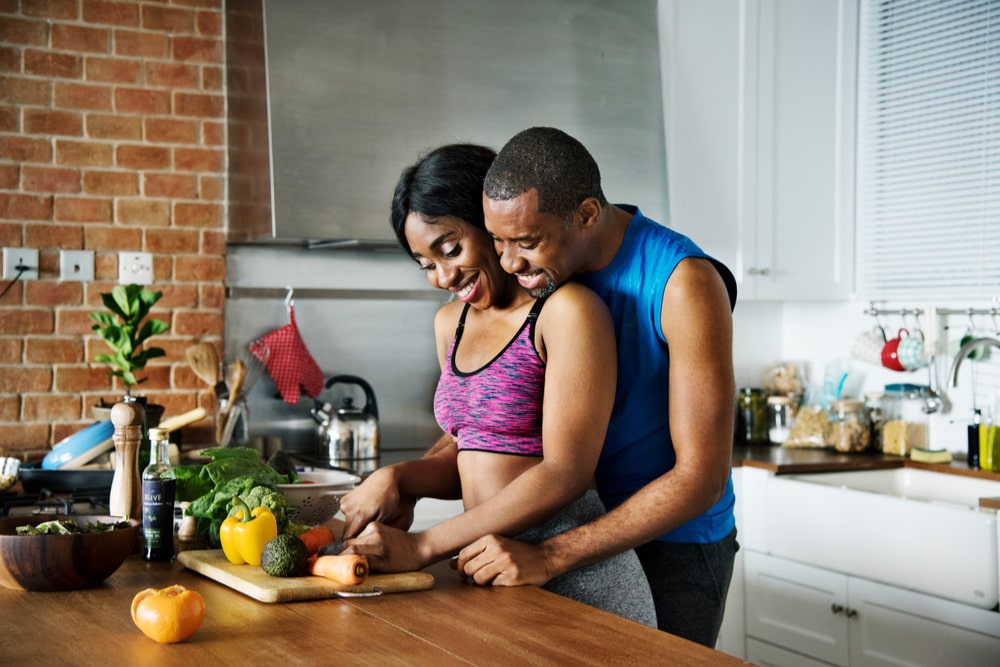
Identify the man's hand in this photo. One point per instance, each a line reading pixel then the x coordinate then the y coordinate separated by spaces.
pixel 377 499
pixel 387 549
pixel 499 561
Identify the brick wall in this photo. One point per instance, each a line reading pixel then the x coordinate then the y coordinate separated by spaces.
pixel 112 137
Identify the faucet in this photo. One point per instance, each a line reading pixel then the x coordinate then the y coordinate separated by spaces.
pixel 964 350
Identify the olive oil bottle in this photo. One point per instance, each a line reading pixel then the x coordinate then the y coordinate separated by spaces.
pixel 158 492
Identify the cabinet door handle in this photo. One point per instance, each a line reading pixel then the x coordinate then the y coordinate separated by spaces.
pixel 836 608
pixel 758 272
pixel 852 613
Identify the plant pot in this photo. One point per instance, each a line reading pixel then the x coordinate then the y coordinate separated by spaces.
pixel 154 412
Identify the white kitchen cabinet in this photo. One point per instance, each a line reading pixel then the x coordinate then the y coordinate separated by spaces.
pixel 797 613
pixel 759 108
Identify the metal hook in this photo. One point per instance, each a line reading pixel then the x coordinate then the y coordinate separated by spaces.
pixel 289 302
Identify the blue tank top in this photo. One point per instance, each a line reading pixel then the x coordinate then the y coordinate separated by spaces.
pixel 638 447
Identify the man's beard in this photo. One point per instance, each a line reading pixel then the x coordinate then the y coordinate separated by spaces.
pixel 545 290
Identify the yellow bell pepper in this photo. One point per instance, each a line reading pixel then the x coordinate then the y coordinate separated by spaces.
pixel 244 532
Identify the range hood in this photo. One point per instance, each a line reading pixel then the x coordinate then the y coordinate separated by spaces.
pixel 330 99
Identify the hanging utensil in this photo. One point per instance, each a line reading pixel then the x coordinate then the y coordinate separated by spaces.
pixel 238 376
pixel 255 355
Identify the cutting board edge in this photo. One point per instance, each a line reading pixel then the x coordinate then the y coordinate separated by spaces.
pixel 212 564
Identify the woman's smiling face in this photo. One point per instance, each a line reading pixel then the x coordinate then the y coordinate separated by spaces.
pixel 458 257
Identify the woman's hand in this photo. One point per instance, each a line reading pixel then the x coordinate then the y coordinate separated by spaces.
pixel 388 549
pixel 377 499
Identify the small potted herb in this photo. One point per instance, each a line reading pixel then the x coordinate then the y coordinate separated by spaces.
pixel 125 328
pixel 125 332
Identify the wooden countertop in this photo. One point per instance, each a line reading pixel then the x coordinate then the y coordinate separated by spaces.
pixel 797 461
pixel 453 624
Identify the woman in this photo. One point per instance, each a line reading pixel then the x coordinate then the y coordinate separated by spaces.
pixel 524 398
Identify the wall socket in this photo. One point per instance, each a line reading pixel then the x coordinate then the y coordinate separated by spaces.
pixel 14 257
pixel 135 267
pixel 76 265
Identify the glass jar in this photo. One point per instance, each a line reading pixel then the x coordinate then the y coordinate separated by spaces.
pixel 779 418
pixel 751 417
pixel 873 413
pixel 904 423
pixel 849 431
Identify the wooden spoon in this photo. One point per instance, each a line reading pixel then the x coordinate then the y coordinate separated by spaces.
pixel 204 361
pixel 238 376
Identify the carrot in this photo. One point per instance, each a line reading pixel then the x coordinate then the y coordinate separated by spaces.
pixel 317 538
pixel 346 569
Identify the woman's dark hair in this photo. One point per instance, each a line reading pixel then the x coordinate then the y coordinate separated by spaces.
pixel 448 181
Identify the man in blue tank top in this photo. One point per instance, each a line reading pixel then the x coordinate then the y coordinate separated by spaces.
pixel 664 472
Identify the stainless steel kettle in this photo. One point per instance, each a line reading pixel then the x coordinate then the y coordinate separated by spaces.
pixel 348 435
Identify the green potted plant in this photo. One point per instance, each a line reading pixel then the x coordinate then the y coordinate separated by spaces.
pixel 125 332
pixel 125 329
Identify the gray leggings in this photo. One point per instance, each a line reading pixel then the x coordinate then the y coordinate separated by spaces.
pixel 617 585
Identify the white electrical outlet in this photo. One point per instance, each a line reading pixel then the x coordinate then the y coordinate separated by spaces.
pixel 135 267
pixel 25 257
pixel 76 265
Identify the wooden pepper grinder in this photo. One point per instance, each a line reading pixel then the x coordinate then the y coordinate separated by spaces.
pixel 126 489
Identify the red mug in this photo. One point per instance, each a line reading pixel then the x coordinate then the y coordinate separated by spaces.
pixel 890 351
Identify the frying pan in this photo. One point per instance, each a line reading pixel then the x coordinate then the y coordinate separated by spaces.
pixel 34 478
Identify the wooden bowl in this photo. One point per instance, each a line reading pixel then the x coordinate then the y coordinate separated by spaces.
pixel 62 562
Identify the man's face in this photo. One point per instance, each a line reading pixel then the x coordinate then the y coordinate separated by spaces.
pixel 535 247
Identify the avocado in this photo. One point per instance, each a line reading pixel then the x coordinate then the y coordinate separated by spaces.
pixel 284 556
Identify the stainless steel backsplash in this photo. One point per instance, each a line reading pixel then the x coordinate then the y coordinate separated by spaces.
pixel 360 312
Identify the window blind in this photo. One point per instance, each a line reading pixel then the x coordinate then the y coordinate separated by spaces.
pixel 928 188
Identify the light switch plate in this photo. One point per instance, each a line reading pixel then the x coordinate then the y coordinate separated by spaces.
pixel 14 257
pixel 76 265
pixel 135 267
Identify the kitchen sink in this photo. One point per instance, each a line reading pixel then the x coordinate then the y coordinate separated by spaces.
pixel 906 527
pixel 911 483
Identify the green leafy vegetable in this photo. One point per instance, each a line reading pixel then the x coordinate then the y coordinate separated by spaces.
pixel 69 527
pixel 211 487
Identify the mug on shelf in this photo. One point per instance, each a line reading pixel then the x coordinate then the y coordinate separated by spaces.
pixel 910 351
pixel 890 351
pixel 868 345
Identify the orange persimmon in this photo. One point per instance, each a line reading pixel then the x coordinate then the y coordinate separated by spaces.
pixel 168 615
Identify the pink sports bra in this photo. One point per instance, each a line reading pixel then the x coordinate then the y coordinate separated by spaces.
pixel 497 408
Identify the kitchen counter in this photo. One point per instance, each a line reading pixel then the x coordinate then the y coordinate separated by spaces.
pixel 454 623
pixel 798 461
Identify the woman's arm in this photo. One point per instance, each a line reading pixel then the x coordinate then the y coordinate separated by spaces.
pixel 580 376
pixel 389 494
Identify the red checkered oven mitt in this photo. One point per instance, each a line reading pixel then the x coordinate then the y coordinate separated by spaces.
pixel 292 368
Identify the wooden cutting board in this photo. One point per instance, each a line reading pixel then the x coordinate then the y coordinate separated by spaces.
pixel 254 582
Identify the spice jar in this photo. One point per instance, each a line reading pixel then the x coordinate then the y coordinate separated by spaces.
pixel 751 417
pixel 779 416
pixel 904 423
pixel 848 427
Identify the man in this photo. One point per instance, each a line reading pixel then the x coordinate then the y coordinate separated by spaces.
pixel 664 472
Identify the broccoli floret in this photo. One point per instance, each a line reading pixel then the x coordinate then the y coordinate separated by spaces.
pixel 272 499
pixel 296 528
